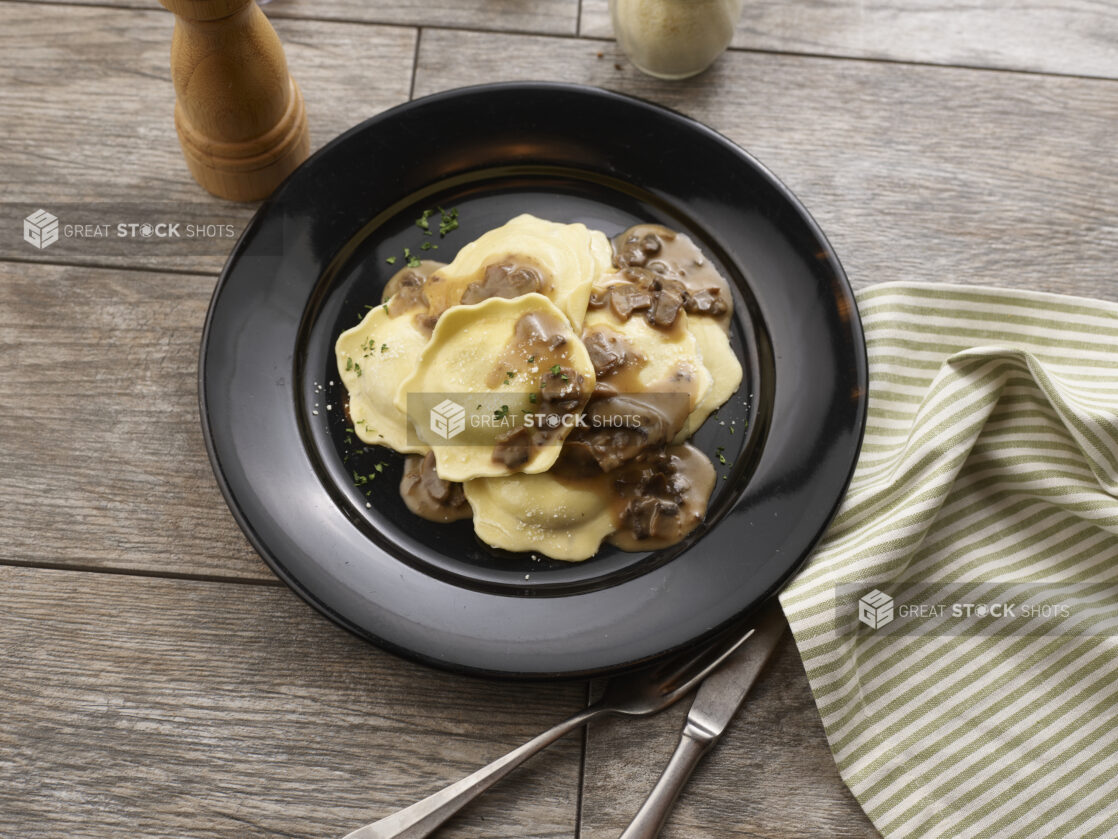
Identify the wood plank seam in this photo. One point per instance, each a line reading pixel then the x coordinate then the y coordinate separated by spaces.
pixel 415 62
pixel 273 582
pixel 576 35
pixel 870 59
pixel 584 749
pixel 279 14
pixel 209 276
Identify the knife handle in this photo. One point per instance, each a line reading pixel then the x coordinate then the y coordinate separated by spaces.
pixel 654 812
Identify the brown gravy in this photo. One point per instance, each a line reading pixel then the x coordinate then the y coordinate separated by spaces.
pixel 654 500
pixel 429 496
pixel 661 273
pixel 510 276
pixel 623 427
pixel 406 285
pixel 406 292
pixel 611 354
pixel 655 414
pixel 536 360
pixel 508 279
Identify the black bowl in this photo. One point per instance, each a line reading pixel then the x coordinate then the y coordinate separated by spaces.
pixel 314 257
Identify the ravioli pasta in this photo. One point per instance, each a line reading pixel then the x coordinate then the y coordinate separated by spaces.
pixel 561 261
pixel 718 357
pixel 665 360
pixel 544 384
pixel 540 513
pixel 379 351
pixel 483 350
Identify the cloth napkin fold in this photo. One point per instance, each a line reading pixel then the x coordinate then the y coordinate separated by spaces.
pixel 959 621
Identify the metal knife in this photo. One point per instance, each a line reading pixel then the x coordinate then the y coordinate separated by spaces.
pixel 718 699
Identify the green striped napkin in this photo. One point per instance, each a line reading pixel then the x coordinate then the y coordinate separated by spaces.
pixel 959 621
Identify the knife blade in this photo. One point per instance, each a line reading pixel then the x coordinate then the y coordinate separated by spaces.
pixel 715 704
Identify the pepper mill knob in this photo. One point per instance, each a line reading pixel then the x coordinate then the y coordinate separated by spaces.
pixel 240 116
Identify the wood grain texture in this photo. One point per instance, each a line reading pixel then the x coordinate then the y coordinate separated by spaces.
pixel 152 707
pixel 155 708
pixel 557 17
pixel 87 111
pixel 1074 37
pixel 771 776
pixel 102 462
pixel 914 172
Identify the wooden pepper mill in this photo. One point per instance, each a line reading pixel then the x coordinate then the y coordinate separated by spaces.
pixel 239 114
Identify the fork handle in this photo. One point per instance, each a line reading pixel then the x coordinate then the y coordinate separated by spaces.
pixel 423 817
pixel 648 821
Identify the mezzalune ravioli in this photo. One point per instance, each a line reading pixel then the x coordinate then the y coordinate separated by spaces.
pixel 585 366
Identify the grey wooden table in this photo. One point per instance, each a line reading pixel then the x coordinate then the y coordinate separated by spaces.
pixel 156 680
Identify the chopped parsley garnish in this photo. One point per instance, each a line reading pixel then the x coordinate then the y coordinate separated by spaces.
pixel 357 368
pixel 448 220
pixel 531 359
pixel 556 370
pixel 384 347
pixel 532 398
pixel 501 412
pixel 360 480
pixel 349 364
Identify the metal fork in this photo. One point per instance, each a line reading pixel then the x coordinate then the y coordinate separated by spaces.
pixel 645 691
